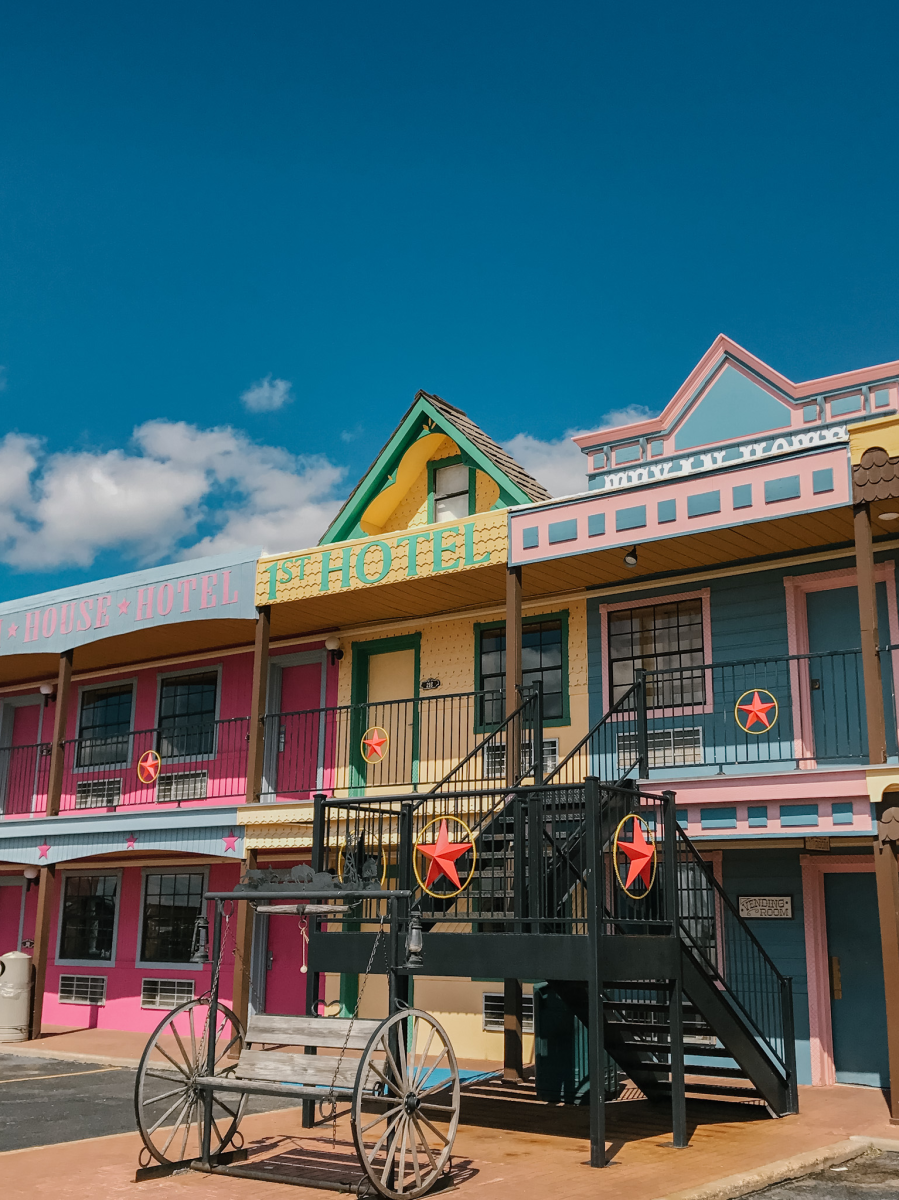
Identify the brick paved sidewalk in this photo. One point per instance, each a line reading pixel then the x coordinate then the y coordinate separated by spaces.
pixel 542 1155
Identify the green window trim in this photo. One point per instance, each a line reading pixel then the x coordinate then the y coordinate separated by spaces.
pixel 434 466
pixel 362 652
pixel 483 626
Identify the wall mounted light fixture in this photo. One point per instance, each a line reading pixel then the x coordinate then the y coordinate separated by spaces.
pixel 630 559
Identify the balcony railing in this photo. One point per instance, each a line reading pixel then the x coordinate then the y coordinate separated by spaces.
pixel 791 711
pixel 363 749
pixel 197 762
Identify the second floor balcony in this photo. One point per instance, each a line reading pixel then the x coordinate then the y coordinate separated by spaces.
pixel 801 712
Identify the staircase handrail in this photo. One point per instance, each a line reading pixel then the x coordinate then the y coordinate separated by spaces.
pixel 528 702
pixel 722 897
pixel 613 711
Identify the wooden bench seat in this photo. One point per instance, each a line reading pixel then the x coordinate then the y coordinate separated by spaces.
pixel 305 1076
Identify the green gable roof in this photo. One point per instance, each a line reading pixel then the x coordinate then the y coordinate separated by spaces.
pixel 431 414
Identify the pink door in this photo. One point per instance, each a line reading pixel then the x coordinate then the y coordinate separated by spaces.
pixel 10 916
pixel 285 985
pixel 300 743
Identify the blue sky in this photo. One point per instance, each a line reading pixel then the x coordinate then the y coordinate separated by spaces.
pixel 544 213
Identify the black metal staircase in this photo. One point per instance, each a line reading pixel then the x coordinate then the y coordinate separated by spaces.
pixel 668 979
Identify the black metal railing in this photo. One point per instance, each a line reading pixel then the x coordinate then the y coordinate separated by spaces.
pixel 416 744
pixel 725 948
pixel 173 764
pixel 24 774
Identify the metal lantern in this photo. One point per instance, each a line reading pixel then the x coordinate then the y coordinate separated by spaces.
pixel 200 948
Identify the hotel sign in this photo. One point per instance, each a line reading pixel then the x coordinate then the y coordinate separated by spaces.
pixel 672 469
pixel 414 553
pixel 200 590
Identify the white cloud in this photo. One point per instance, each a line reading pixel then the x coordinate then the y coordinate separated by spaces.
pixel 150 502
pixel 559 465
pixel 629 415
pixel 267 395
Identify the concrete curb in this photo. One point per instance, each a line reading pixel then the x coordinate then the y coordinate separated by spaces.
pixel 732 1186
pixel 27 1051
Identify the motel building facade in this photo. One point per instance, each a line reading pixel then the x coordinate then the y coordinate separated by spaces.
pixel 690 618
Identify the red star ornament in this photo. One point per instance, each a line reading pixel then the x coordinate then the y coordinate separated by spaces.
pixel 641 853
pixel 374 743
pixel 756 712
pixel 443 854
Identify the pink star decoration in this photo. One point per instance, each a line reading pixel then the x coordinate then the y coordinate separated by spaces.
pixel 12 631
pixel 43 850
pixel 123 607
pixel 231 842
pixel 131 842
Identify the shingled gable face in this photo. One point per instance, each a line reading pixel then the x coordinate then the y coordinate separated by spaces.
pixel 438 464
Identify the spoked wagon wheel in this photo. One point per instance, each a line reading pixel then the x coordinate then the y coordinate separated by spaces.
pixel 405 1138
pixel 167 1102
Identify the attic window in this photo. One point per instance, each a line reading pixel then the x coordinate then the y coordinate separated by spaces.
pixel 451 492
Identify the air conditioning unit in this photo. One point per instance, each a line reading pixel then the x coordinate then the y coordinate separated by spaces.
pixel 82 989
pixel 98 793
pixel 181 785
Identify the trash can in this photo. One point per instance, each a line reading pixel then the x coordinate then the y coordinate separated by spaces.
pixel 15 996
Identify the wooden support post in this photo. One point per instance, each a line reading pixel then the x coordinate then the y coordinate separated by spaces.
pixel 513 672
pixel 885 863
pixel 256 748
pixel 513 1051
pixel 596 1039
pixel 60 719
pixel 243 953
pixel 867 611
pixel 45 897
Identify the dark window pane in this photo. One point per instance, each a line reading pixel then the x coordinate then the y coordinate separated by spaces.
pixel 187 716
pixel 104 726
pixel 666 638
pixel 172 903
pixel 541 660
pixel 88 917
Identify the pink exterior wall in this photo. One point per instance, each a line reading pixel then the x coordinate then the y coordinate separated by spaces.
pixel 608 503
pixel 122 1009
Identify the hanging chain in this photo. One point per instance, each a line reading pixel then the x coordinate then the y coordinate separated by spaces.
pixel 331 1099
pixel 213 986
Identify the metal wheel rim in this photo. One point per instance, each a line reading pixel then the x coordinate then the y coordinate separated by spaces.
pixel 390 1144
pixel 168 1106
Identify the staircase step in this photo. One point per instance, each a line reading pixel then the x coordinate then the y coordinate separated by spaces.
pixel 713 1089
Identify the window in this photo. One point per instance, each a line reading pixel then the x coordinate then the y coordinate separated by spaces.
pixel 82 989
pixel 182 785
pixel 665 747
pixel 187 716
pixel 104 726
pixel 658 637
pixel 544 653
pixel 172 903
pixel 495 1013
pixel 165 993
pixel 495 758
pixel 452 487
pixel 87 929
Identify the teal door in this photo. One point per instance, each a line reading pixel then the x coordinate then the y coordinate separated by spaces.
pixel 837 689
pixel 857 1005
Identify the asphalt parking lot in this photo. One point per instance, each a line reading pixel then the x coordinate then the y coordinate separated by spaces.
pixel 45 1101
pixel 873 1176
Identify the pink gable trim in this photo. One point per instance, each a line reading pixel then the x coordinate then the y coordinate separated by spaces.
pixel 814 869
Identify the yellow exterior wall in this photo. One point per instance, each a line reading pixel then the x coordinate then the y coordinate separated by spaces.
pixel 447 654
pixel 412 510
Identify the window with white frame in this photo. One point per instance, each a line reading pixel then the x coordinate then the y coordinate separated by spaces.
pixel 87 918
pixel 187 709
pixel 172 902
pixel 495 758
pixel 665 637
pixel 452 486
pixel 82 989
